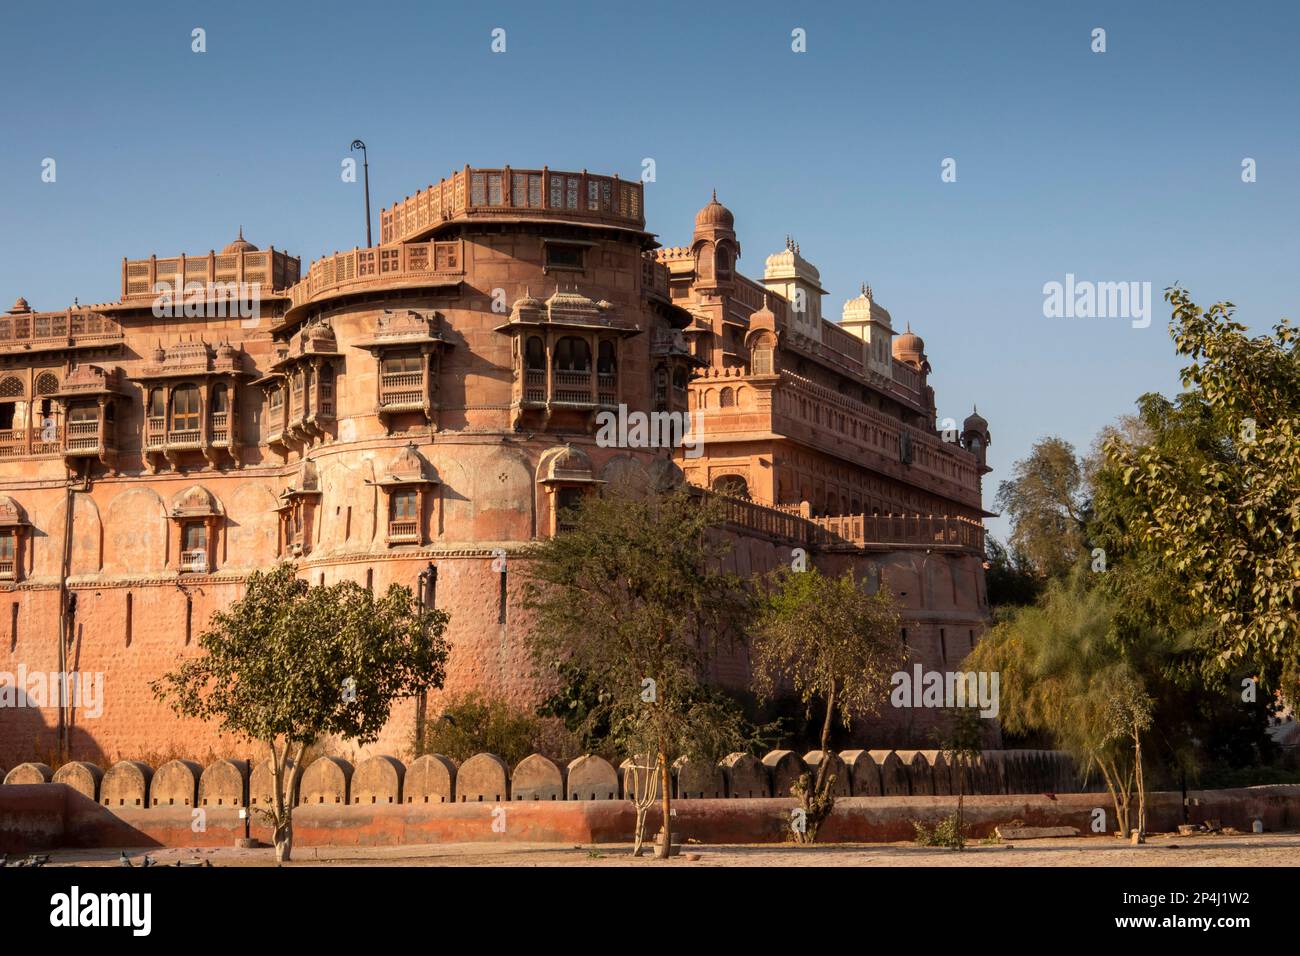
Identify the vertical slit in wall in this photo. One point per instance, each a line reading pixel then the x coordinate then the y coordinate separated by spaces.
pixel 129 609
pixel 13 626
pixel 943 646
pixel 322 579
pixel 370 580
pixel 189 617
pixel 501 601
pixel 432 599
pixel 347 525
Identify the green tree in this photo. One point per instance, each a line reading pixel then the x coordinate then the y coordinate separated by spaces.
pixel 475 723
pixel 1046 498
pixel 1064 673
pixel 288 664
pixel 835 644
pixel 961 743
pixel 633 596
pixel 1009 579
pixel 1225 522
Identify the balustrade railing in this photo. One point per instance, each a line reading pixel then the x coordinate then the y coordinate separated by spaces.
pixel 573 387
pixel 402 529
pixel 535 385
pixel 401 388
pixel 52 329
pixel 83 435
pixel 538 191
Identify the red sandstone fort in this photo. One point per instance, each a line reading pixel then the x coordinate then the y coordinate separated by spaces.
pixel 432 400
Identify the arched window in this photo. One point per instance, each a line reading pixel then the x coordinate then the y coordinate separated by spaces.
pixel 605 361
pixel 704 262
pixel 535 355
pixel 220 400
pixel 157 403
pixel 185 409
pixel 47 383
pixel 728 398
pixel 572 355
pixel 724 262
pixel 12 387
pixel 567 501
pixel 731 485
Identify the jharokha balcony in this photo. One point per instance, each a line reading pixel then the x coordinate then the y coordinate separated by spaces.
pixel 515 194
pixel 73 416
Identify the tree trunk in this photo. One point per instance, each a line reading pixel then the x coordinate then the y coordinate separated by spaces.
pixel 1113 783
pixel 665 780
pixel 284 842
pixel 961 796
pixel 1141 785
pixel 286 795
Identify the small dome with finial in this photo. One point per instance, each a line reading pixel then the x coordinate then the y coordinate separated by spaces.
pixel 239 245
pixel 20 305
pixel 715 214
pixel 909 344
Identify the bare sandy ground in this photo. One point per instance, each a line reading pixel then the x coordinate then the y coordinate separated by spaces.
pixel 1267 849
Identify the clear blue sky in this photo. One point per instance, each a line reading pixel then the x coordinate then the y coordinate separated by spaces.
pixel 1117 166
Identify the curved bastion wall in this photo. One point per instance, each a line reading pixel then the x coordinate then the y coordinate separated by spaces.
pixel 431 400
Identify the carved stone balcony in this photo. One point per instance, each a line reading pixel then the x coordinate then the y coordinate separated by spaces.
pixel 24 330
pixel 408 266
pixel 508 194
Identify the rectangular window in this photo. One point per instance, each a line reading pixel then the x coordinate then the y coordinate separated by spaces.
pixel 401 364
pixel 194 537
pixel 501 601
pixel 185 408
pixel 404 505
pixel 562 256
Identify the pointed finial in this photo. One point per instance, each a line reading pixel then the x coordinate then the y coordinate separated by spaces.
pixel 715 195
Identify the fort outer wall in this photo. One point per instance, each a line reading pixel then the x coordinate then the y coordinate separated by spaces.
pixel 880 794
pixel 488 654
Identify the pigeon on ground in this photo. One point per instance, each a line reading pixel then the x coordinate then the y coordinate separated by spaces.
pixel 149 861
pixel 124 860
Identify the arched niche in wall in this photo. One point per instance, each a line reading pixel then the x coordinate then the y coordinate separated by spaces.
pixel 251 526
pixel 136 533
